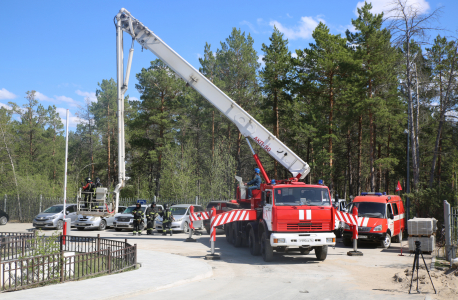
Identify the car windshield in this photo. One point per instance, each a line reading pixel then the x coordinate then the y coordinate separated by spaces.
pixel 302 196
pixel 177 210
pixel 54 209
pixel 370 209
pixel 131 208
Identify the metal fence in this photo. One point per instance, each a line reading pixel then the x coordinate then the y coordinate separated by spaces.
pixel 77 258
pixel 454 228
pixel 33 205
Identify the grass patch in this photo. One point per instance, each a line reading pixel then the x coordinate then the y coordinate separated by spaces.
pixel 441 263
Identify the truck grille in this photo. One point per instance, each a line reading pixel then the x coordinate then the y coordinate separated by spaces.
pixel 300 227
pixel 123 219
pixel 364 229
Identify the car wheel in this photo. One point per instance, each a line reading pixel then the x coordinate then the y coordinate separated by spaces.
pixel 252 244
pixel 60 225
pixel 386 243
pixel 80 228
pixel 185 227
pixel 321 252
pixel 118 229
pixel 3 220
pixel 266 248
pixel 102 225
pixel 229 234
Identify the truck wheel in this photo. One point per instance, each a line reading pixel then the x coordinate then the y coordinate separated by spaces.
pixel 266 248
pixel 80 228
pixel 236 237
pixel 347 242
pixel 230 234
pixel 252 244
pixel 102 225
pixel 118 229
pixel 386 243
pixel 321 252
pixel 60 225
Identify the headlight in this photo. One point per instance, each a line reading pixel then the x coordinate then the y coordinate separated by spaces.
pixel 53 217
pixel 346 226
pixel 178 220
pixel 277 241
pixel 330 240
pixel 378 228
pixel 131 220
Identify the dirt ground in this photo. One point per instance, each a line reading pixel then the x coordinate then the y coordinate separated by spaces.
pixel 378 274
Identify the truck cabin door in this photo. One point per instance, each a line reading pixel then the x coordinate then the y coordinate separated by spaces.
pixel 390 218
pixel 397 220
pixel 267 209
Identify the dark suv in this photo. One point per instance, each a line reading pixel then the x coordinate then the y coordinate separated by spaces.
pixel 220 206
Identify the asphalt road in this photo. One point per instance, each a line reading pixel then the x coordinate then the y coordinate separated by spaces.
pixel 290 276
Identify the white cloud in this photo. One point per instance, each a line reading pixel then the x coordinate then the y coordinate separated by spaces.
pixel 379 6
pixel 249 26
pixel 303 30
pixel 287 14
pixel 57 99
pixel 42 97
pixel 261 61
pixel 6 95
pixel 73 120
pixel 91 95
pixel 5 106
pixel 294 55
pixel 133 98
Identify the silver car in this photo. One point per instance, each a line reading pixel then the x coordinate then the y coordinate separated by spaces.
pixel 181 215
pixel 125 220
pixel 53 216
pixel 99 223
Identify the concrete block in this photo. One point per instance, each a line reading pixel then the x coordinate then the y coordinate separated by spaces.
pixel 420 226
pixel 428 244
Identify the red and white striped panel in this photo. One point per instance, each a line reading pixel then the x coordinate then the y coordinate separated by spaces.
pixel 350 219
pixel 235 215
pixel 197 216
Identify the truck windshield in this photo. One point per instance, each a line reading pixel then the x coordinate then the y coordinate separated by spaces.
pixel 369 209
pixel 302 196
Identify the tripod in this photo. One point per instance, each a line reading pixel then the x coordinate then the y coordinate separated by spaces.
pixel 416 263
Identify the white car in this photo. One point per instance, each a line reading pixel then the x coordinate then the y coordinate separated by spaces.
pixel 181 215
pixel 99 223
pixel 125 220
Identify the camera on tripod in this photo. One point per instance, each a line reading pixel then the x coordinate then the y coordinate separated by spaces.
pixel 416 264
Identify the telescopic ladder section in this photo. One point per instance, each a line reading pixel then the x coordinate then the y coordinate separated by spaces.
pixel 246 124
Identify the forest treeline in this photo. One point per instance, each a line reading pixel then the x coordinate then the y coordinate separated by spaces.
pixel 347 104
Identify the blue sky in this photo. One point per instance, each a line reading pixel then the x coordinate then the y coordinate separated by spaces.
pixel 62 49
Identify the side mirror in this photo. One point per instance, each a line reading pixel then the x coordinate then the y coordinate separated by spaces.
pixel 68 212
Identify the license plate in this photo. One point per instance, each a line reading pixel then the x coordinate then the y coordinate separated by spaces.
pixel 362 236
pixel 306 240
pixel 40 223
pixel 81 224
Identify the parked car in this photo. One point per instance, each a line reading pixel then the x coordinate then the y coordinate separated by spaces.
pixel 181 214
pixel 53 216
pixel 125 220
pixel 339 204
pixel 99 223
pixel 220 206
pixel 4 218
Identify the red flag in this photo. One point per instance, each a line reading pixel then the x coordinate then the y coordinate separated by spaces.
pixel 398 188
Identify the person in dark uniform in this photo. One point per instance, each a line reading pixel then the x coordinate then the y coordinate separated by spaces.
pixel 255 183
pixel 151 214
pixel 138 219
pixel 167 218
pixel 88 189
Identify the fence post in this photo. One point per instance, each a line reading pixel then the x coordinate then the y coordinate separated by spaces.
pixel 41 200
pixel 62 261
pixel 98 242
pixel 135 254
pixel 448 229
pixel 109 260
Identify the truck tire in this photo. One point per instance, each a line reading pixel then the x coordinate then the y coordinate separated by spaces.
pixel 102 225
pixel 266 248
pixel 321 252
pixel 253 244
pixel 347 242
pixel 386 243
pixel 236 237
pixel 227 231
pixel 231 234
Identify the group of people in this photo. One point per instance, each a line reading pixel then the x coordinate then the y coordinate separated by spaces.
pixel 89 190
pixel 151 213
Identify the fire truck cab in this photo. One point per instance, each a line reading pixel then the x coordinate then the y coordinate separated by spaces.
pixel 380 219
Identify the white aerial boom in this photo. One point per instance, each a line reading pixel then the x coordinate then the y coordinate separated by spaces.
pixel 246 124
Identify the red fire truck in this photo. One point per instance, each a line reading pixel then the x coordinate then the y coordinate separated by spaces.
pixel 289 214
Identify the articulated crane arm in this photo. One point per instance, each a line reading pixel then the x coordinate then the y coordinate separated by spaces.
pixel 246 124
